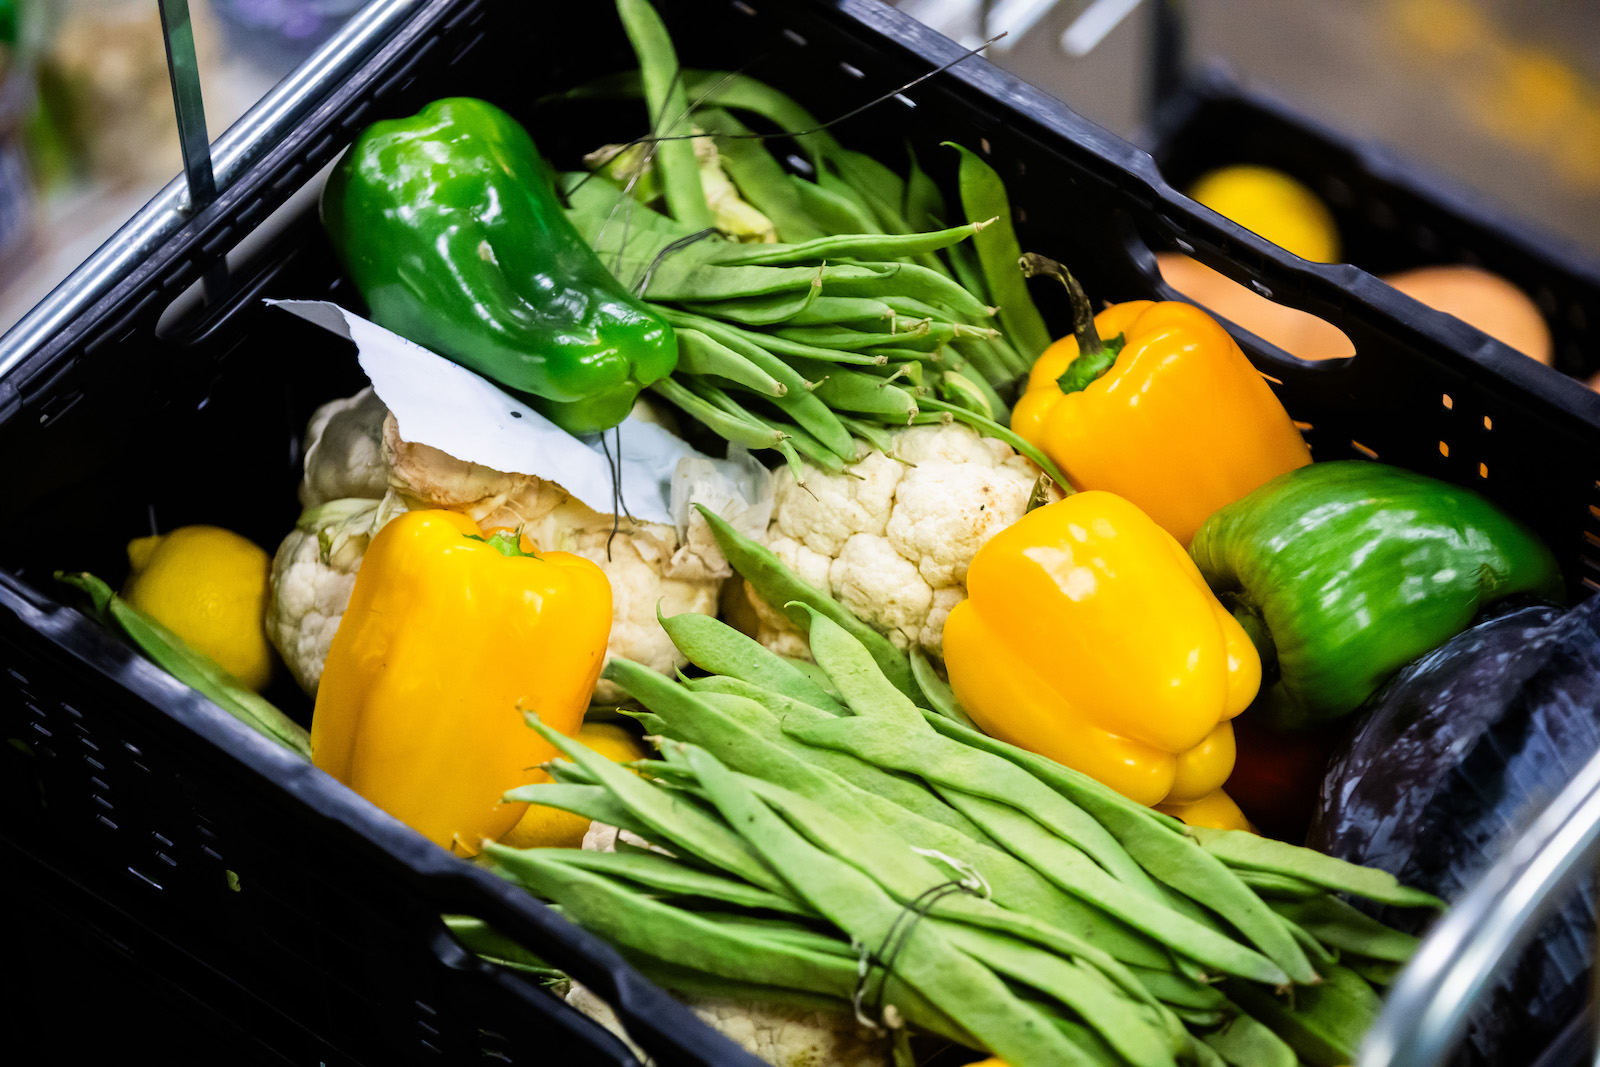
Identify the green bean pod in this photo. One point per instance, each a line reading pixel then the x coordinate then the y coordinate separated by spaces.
pixel 703 355
pixel 835 210
pixel 849 390
pixel 741 430
pixel 983 195
pixel 856 246
pixel 669 110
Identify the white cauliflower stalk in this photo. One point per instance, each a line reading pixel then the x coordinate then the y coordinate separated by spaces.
pixel 676 566
pixel 892 537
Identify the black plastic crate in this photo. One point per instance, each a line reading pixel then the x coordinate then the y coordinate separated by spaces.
pixel 1393 213
pixel 330 951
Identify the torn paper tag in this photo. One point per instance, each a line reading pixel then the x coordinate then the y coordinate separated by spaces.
pixel 444 405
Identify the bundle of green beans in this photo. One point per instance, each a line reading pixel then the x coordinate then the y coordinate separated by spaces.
pixel 869 313
pixel 812 821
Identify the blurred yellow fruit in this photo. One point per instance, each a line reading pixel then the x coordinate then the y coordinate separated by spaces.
pixel 1274 205
pixel 209 586
pixel 542 827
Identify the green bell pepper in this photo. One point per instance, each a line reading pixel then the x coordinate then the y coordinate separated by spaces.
pixel 1342 573
pixel 449 224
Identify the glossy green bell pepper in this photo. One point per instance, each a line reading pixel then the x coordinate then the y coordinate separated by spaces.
pixel 449 224
pixel 1343 572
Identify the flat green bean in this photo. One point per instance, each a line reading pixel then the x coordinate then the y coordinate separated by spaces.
pixel 662 874
pixel 753 742
pixel 916 749
pixel 811 449
pixel 963 259
pixel 906 875
pixel 1163 850
pixel 713 645
pixel 1015 884
pixel 669 110
pixel 1338 925
pixel 937 691
pixel 1272 887
pixel 191 667
pixel 1243 1042
pixel 628 918
pixel 1178 991
pixel 962 987
pixel 983 195
pixel 833 209
pixel 1140 1035
pixel 1378 972
pixel 1239 849
pixel 1073 871
pixel 667 817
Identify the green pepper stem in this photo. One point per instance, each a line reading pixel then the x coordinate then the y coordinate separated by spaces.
pixel 1095 356
pixel 507 544
pixel 1255 627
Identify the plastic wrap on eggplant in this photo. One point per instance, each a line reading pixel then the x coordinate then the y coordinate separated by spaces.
pixel 1456 757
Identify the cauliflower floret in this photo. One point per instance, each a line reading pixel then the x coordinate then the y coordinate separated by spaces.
pixel 344 451
pixel 892 537
pixel 312 576
pixel 678 566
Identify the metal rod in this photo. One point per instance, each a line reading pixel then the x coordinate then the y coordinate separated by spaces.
pixel 188 102
pixel 244 143
pixel 1429 1006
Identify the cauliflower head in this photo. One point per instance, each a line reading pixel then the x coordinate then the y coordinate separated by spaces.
pixel 891 538
pixel 354 448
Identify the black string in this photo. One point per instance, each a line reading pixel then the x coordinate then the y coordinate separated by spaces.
pixel 894 942
pixel 726 79
pixel 675 246
pixel 615 466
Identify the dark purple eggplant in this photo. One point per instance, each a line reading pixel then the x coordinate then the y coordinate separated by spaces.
pixel 1456 756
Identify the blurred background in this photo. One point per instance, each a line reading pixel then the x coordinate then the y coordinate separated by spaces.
pixel 1497 98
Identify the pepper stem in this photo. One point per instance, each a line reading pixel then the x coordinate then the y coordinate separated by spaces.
pixel 505 542
pixel 1095 356
pixel 1255 627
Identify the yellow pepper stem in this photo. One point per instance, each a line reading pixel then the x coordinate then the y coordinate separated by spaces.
pixel 1094 355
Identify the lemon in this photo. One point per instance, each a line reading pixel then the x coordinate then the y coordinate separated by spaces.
pixel 542 827
pixel 209 586
pixel 1274 205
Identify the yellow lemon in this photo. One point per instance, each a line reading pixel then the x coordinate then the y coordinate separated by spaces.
pixel 542 827
pixel 209 586
pixel 1273 205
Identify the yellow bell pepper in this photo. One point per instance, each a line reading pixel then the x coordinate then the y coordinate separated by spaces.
pixel 447 638
pixel 1088 636
pixel 1216 810
pixel 1176 419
